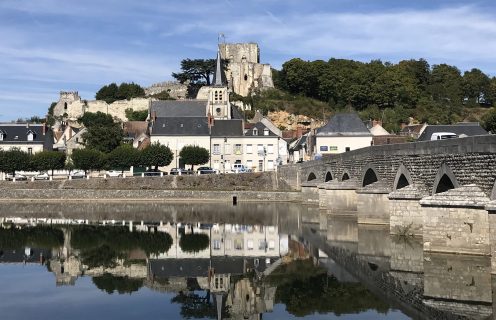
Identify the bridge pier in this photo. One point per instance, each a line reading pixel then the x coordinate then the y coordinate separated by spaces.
pixel 374 245
pixel 342 232
pixel 341 197
pixel 406 216
pixel 456 221
pixel 310 192
pixel 373 205
pixel 491 208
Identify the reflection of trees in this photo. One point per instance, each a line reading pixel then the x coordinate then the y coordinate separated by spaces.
pixel 122 285
pixel 306 289
pixel 39 236
pixel 120 239
pixel 194 242
pixel 101 246
pixel 195 306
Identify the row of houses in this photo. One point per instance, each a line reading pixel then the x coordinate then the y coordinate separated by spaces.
pixel 217 125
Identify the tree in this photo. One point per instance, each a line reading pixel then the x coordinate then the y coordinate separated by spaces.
pixel 156 155
pixel 476 86
pixel 14 160
pixel 194 242
pixel 194 155
pixel 112 92
pixel 489 121
pixel 49 160
pixel 102 134
pixel 110 283
pixel 123 157
pixel 132 115
pixel 197 71
pixel 87 159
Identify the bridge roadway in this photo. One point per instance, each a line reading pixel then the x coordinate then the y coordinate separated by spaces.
pixel 443 191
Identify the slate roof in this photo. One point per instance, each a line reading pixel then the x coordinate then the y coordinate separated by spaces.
pixel 179 108
pixel 260 130
pixel 165 268
pixel 466 128
pixel 235 114
pixel 219 79
pixel 227 128
pixel 344 124
pixel 180 126
pixel 17 133
pixel 414 128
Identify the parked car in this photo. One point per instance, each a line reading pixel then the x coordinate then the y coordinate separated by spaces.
pixel 239 168
pixel 42 176
pixel 114 173
pixel 180 171
pixel 205 170
pixel 78 175
pixel 153 173
pixel 18 177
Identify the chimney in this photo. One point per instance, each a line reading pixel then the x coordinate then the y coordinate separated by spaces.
pixel 299 132
pixel 154 116
pixel 44 128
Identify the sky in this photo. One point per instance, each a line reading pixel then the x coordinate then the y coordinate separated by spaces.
pixel 48 46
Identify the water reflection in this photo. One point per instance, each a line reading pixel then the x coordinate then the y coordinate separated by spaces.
pixel 243 263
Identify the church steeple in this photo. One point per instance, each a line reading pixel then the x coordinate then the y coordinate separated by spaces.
pixel 219 79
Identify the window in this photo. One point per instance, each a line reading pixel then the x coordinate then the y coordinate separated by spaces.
pixel 249 148
pixel 30 151
pixel 261 244
pixel 216 245
pixel 216 148
pixel 218 111
pixel 270 149
pixel 238 149
pixel 238 244
pixel 249 164
pixel 216 98
pixel 260 165
pixel 255 132
pixel 220 95
pixel 246 77
pixel 347 149
pixel 266 132
pixel 227 148
pixel 260 149
pixel 65 105
pixel 272 245
pixel 249 245
pixel 1 136
pixel 30 136
pixel 270 165
pixel 228 244
pixel 323 148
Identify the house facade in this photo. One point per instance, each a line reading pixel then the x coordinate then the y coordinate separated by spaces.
pixel 344 132
pixel 217 126
pixel 30 138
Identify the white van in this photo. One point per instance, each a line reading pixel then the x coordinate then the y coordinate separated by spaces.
pixel 443 135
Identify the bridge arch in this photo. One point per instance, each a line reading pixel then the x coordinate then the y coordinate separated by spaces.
pixel 345 176
pixel 311 176
pixel 445 180
pixel 328 176
pixel 403 178
pixel 369 175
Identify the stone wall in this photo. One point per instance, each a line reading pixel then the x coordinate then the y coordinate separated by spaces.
pixel 373 208
pixel 406 217
pixel 175 89
pixel 456 230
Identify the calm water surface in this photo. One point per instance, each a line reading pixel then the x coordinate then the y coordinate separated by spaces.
pixel 211 261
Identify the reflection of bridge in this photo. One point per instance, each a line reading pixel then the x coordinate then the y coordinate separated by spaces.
pixel 443 191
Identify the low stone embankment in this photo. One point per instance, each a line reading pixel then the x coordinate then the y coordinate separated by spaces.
pixel 244 187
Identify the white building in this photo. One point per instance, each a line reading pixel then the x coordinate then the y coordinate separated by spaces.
pixel 344 132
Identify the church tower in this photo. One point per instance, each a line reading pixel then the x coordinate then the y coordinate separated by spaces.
pixel 218 98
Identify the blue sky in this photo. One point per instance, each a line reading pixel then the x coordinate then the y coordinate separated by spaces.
pixel 51 45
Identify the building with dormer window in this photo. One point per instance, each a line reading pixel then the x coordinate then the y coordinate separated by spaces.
pixel 30 138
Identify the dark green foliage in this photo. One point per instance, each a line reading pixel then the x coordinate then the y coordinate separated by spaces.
pixel 197 72
pixel 489 121
pixel 132 115
pixel 306 289
pixel 156 155
pixel 392 92
pixel 38 237
pixel 194 242
pixel 112 92
pixel 195 306
pixel 164 95
pixel 103 134
pixel 122 285
pixel 14 160
pixel 48 160
pixel 103 256
pixel 88 159
pixel 194 155
pixel 119 239
pixel 123 157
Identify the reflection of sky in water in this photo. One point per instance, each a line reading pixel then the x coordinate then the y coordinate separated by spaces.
pixel 29 292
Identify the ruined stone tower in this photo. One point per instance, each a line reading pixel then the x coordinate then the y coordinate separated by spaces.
pixel 244 72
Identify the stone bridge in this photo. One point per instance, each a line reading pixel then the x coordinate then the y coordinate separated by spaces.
pixel 442 190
